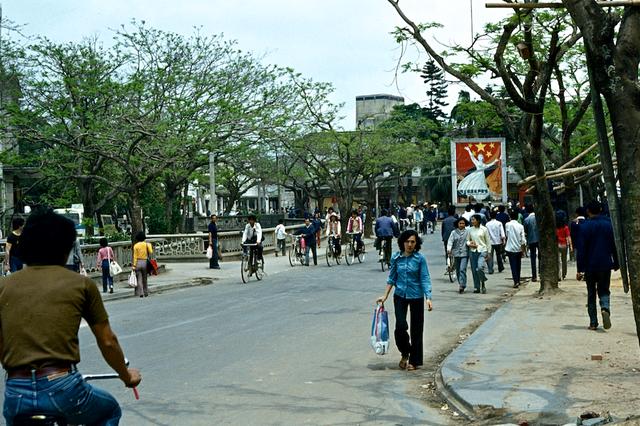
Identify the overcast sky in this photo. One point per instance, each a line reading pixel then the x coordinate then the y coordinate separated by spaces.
pixel 345 42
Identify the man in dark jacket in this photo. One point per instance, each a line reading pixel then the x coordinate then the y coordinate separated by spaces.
pixel 308 232
pixel 448 225
pixel 385 228
pixel 596 260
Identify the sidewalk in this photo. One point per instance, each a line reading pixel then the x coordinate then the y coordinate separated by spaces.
pixel 182 275
pixel 532 360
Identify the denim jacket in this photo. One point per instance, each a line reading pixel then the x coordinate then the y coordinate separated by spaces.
pixel 410 276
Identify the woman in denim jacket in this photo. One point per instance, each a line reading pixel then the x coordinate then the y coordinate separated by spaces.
pixel 410 277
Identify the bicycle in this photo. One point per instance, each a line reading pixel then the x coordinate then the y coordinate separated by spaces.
pixel 451 268
pixel 296 252
pixel 250 264
pixel 46 419
pixel 332 251
pixel 384 253
pixel 352 252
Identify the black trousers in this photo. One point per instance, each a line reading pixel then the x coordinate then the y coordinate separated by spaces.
pixel 409 344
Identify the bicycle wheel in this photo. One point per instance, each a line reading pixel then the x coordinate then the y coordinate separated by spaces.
pixel 338 257
pixel 292 254
pixel 349 254
pixel 328 255
pixel 259 269
pixel 450 269
pixel 244 268
pixel 361 254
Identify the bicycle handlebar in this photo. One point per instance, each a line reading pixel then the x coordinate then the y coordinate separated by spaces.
pixel 249 245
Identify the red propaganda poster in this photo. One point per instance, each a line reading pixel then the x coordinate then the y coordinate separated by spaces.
pixel 478 170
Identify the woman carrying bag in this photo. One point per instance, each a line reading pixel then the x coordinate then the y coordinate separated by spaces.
pixel 409 275
pixel 141 252
pixel 105 257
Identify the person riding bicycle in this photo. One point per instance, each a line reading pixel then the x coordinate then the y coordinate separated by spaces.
pixel 40 312
pixel 385 229
pixel 252 234
pixel 308 232
pixel 356 228
pixel 333 228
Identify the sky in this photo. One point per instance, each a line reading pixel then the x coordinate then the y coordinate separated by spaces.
pixel 344 42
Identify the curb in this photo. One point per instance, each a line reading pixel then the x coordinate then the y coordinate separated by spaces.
pixel 195 282
pixel 452 397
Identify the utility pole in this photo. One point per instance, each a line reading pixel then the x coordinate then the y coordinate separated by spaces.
pixel 213 199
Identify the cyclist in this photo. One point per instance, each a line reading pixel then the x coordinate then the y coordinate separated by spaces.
pixel 355 226
pixel 253 235
pixel 308 231
pixel 385 229
pixel 40 354
pixel 333 228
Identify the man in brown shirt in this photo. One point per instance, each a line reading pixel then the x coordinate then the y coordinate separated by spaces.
pixel 40 312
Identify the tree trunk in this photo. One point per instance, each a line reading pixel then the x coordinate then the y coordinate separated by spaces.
pixel 137 222
pixel 87 191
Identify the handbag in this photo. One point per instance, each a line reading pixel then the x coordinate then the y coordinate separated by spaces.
pixel 114 267
pixel 152 264
pixel 380 330
pixel 209 252
pixel 133 280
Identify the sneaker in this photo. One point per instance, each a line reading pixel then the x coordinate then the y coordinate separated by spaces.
pixel 477 290
pixel 516 285
pixel 484 290
pixel 111 290
pixel 606 319
pixel 461 290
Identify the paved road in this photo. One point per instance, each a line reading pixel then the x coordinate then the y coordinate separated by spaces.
pixel 292 349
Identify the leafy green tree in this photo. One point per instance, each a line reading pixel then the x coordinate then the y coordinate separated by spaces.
pixel 433 76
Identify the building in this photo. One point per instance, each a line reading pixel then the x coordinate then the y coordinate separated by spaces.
pixel 371 110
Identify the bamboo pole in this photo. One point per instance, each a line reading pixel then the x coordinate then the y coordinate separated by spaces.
pixel 578 157
pixel 614 3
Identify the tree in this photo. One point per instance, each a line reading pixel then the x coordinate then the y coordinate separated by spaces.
pixel 612 44
pixel 527 83
pixel 437 92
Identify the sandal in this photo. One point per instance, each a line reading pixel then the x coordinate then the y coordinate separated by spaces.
pixel 404 361
pixel 411 367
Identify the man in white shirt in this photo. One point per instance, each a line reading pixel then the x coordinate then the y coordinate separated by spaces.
pixel 515 246
pixel 497 237
pixel 281 237
pixel 479 243
pixel 468 212
pixel 253 235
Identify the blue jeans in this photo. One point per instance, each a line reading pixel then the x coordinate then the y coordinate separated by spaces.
pixel 314 250
pixel 533 254
pixel 598 283
pixel 461 270
pixel 478 266
pixel 69 397
pixel 107 279
pixel 15 264
pixel 213 262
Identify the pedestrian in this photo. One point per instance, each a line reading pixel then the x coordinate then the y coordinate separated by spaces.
pixel 213 242
pixel 503 216
pixel 75 261
pixel 563 237
pixel 515 247
pixel 448 225
pixel 533 239
pixel 468 212
pixel 13 252
pixel 141 252
pixel 317 223
pixel 418 217
pixel 103 260
pixel 40 312
pixel 458 248
pixel 497 237
pixel 409 275
pixel 308 232
pixel 597 258
pixel 281 237
pixel 479 243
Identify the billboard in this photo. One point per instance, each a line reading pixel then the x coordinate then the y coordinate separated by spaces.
pixel 478 170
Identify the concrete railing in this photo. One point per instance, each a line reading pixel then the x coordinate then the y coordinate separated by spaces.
pixel 178 247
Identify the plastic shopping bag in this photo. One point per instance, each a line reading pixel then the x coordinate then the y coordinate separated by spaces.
pixel 114 268
pixel 380 331
pixel 133 280
pixel 209 252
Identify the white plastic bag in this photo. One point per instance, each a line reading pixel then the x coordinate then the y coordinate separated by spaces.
pixel 209 252
pixel 133 280
pixel 83 272
pixel 380 330
pixel 114 268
